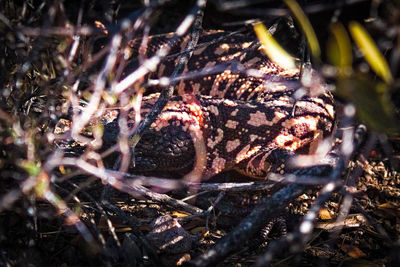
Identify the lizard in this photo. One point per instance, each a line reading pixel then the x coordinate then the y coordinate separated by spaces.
pixel 228 120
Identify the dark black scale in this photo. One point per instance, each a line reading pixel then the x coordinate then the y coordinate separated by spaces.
pixel 168 151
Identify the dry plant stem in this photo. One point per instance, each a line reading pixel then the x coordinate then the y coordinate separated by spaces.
pixel 123 136
pixel 376 224
pixel 76 38
pixel 347 200
pixel 61 31
pixel 123 185
pixel 162 52
pixel 141 22
pixel 211 208
pixel 100 237
pixel 306 227
pixel 249 226
pixel 7 200
pixel 165 199
pixel 79 188
pixel 40 184
pixel 33 53
pixel 134 225
pixel 110 226
pixel 169 184
pixel 82 119
pixel 70 217
pixel 297 240
pixel 151 64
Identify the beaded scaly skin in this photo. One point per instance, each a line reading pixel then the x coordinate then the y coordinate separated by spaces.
pixel 229 120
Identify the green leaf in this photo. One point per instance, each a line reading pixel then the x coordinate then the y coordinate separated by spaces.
pixel 32 168
pixel 370 50
pixel 372 103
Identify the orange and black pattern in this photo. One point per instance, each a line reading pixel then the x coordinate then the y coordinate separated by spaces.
pixel 236 120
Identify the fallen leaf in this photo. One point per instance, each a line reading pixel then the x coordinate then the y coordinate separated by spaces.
pixel 352 251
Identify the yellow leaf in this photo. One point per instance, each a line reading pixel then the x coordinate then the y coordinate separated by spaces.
pixel 62 169
pixel 273 50
pixel 306 27
pixel 352 251
pixel 324 214
pixel 178 214
pixel 370 50
pixel 386 205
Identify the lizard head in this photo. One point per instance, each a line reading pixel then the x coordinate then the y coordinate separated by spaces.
pixel 167 151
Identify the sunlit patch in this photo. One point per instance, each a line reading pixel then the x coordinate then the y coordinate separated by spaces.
pixel 230 103
pixel 218 165
pixel 226 79
pixel 212 143
pixel 279 115
pixel 331 110
pixel 230 57
pixel 288 141
pixel 62 126
pixel 194 107
pixel 259 118
pixel 231 124
pixel 101 26
pixel 318 136
pixel 221 49
pixel 232 145
pixel 310 121
pixel 246 45
pixel 213 109
pixel 253 137
pixel 192 120
pixel 284 98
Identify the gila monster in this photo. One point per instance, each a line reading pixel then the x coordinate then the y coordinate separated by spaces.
pixel 229 120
